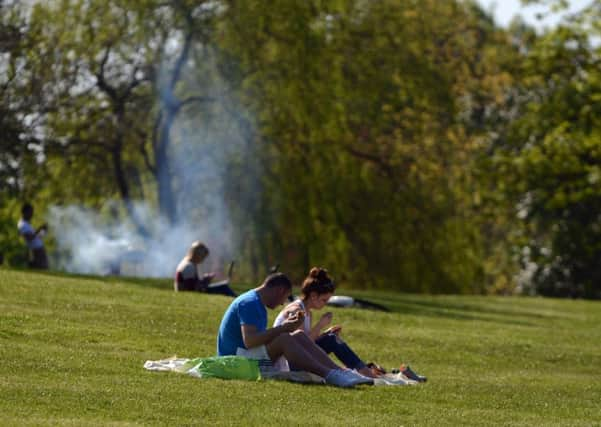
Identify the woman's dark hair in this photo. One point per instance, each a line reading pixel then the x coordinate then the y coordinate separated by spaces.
pixel 318 281
pixel 277 279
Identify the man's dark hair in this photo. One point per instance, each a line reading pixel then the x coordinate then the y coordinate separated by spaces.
pixel 277 279
pixel 26 209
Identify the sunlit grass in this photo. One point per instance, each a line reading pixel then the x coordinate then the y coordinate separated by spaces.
pixel 73 347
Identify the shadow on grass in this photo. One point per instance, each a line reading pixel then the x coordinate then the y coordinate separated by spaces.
pixel 417 305
pixel 478 309
pixel 462 312
pixel 402 304
pixel 425 305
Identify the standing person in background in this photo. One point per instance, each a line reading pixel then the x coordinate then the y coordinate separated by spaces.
pixel 186 274
pixel 316 290
pixel 33 238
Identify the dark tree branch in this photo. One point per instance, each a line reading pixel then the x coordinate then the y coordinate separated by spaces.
pixel 100 77
pixel 142 147
pixel 195 99
pixel 156 130
pixel 385 167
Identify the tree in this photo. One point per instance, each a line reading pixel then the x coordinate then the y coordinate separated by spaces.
pixel 20 173
pixel 364 140
pixel 110 76
pixel 554 153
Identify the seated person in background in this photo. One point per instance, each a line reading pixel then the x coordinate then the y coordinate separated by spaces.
pixel 316 290
pixel 186 274
pixel 244 332
pixel 33 238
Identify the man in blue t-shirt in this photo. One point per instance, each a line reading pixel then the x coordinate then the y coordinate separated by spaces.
pixel 247 309
pixel 244 332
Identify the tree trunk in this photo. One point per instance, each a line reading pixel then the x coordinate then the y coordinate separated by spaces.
pixel 123 187
pixel 167 202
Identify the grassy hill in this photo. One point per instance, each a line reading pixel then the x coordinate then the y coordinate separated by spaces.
pixel 72 350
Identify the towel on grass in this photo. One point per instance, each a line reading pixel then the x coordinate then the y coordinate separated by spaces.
pixel 243 368
pixel 228 367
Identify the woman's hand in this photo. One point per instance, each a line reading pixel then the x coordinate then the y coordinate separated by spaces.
pixel 334 330
pixel 325 320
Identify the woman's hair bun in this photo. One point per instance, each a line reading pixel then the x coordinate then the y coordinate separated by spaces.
pixel 319 273
pixel 317 281
pixel 315 272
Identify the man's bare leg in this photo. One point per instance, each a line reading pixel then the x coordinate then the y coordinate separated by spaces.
pixel 296 354
pixel 313 349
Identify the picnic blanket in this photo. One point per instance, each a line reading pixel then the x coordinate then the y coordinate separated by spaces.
pixel 228 367
pixel 242 368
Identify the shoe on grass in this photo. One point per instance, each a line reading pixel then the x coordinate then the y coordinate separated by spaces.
pixel 339 378
pixel 408 372
pixel 361 378
pixel 394 379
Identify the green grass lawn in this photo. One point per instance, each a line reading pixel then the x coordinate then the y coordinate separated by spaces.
pixel 72 350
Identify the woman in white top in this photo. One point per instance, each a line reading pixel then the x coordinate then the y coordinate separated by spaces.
pixel 316 290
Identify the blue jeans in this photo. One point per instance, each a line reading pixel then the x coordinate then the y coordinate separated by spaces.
pixel 330 343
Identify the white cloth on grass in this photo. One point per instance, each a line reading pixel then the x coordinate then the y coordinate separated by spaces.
pixel 260 355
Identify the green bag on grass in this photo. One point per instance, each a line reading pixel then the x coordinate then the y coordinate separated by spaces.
pixel 226 367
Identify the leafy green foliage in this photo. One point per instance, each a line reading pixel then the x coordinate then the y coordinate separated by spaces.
pixel 403 145
pixel 555 153
pixel 358 103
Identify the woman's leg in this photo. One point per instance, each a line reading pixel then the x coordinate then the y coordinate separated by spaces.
pixel 330 343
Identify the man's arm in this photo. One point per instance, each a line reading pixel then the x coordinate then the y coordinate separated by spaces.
pixel 30 235
pixel 290 313
pixel 252 338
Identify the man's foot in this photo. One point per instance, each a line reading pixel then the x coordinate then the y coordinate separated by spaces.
pixel 408 372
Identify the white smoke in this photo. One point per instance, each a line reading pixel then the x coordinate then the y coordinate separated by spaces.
pixel 209 146
pixel 105 241
pixel 91 242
